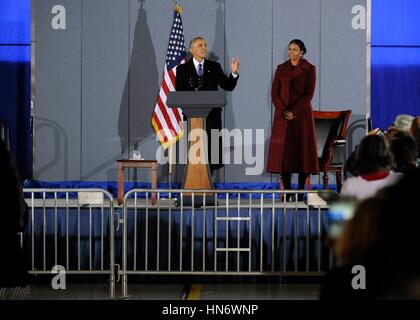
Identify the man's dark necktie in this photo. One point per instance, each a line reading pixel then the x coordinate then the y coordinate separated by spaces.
pixel 200 70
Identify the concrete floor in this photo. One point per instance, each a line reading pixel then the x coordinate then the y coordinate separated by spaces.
pixel 95 291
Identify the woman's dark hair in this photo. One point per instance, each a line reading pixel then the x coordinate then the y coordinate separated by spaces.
pixel 300 44
pixel 373 155
pixel 403 149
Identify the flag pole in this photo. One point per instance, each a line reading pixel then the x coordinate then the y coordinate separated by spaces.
pixel 170 166
pixel 176 54
pixel 177 8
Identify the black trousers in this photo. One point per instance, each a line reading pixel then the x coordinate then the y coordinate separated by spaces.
pixel 287 180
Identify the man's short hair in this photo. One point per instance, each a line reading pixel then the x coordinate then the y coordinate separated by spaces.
pixel 403 122
pixel 194 40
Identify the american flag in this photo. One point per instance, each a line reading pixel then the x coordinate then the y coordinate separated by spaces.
pixel 165 120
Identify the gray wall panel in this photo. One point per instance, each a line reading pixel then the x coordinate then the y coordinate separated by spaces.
pixel 206 18
pixel 298 20
pixel 57 91
pixel 148 46
pixel 343 63
pixel 343 58
pixel 250 102
pixel 105 62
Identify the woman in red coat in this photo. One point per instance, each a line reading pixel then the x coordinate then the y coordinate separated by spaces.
pixel 293 147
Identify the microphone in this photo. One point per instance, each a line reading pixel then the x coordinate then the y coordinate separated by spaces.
pixel 196 83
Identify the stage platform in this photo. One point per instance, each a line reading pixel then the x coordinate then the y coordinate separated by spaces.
pixel 166 204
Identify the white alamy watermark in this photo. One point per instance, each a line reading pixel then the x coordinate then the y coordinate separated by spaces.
pixel 358 22
pixel 58 282
pixel 238 146
pixel 359 280
pixel 58 21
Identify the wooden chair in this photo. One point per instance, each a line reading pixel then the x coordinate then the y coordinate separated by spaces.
pixel 331 130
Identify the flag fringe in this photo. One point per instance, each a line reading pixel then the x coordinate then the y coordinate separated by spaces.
pixel 167 144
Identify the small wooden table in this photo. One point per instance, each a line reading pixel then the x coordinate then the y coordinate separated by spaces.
pixel 148 164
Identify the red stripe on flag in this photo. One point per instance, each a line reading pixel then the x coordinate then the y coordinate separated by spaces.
pixel 172 76
pixel 159 125
pixel 165 87
pixel 174 111
pixel 166 90
pixel 177 115
pixel 165 114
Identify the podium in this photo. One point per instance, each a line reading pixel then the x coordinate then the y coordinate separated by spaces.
pixel 197 105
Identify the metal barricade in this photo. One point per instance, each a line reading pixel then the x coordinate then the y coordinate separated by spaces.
pixel 224 232
pixel 73 228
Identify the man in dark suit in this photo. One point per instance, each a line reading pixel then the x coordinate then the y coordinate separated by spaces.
pixel 201 74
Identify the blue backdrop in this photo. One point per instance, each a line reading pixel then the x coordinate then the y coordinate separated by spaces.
pixel 395 60
pixel 15 53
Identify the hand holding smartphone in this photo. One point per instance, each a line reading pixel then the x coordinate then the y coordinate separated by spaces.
pixel 339 212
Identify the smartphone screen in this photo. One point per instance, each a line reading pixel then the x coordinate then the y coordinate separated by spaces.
pixel 338 213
